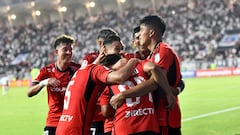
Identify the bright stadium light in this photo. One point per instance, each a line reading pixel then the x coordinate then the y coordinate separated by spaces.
pixel 13 16
pixel 62 9
pixel 91 4
pixel 33 3
pixel 38 12
pixel 8 8
pixel 122 1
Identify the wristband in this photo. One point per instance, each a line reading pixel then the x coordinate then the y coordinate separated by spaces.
pixel 43 83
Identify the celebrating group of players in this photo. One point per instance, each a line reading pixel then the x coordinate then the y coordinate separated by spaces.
pixel 113 92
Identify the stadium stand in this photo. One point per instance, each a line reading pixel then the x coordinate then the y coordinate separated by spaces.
pixel 194 31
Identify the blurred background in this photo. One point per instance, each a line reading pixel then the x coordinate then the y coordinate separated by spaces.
pixel 204 33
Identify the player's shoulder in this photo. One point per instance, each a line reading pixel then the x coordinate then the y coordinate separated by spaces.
pixel 50 67
pixel 92 54
pixel 75 65
pixel 129 55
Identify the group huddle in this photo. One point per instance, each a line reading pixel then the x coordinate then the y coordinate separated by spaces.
pixel 113 92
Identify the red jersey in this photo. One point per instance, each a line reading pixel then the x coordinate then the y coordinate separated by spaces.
pixel 104 100
pixel 137 114
pixel 56 94
pixel 89 59
pixel 165 57
pixel 80 100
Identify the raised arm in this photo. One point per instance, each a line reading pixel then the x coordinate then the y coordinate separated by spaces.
pixel 123 73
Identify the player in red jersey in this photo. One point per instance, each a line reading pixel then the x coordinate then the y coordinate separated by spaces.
pixel 56 77
pixel 165 57
pixel 152 29
pixel 95 57
pixel 136 115
pixel 141 53
pixel 108 47
pixel 82 94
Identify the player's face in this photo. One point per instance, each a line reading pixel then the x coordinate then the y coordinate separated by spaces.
pixel 144 36
pixel 136 42
pixel 64 52
pixel 115 48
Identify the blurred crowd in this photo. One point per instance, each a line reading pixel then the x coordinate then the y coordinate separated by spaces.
pixel 193 30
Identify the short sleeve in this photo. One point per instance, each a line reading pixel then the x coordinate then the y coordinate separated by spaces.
pixel 100 73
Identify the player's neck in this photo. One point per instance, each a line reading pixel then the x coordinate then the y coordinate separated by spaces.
pixel 154 44
pixel 61 66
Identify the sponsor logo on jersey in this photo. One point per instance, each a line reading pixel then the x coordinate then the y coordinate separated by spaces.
pixel 56 89
pixel 66 118
pixel 139 112
pixel 156 58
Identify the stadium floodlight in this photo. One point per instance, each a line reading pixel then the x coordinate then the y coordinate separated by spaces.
pixel 38 12
pixel 8 8
pixel 13 17
pixel 62 9
pixel 122 1
pixel 33 3
pixel 90 4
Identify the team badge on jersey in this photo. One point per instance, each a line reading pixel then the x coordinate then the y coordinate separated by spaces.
pixel 156 58
pixel 84 64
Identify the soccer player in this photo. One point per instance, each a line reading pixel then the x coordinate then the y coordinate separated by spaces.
pixel 137 115
pixel 95 57
pixel 152 29
pixel 5 84
pixel 55 77
pixel 97 127
pixel 82 94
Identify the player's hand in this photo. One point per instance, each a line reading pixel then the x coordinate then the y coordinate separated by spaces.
pixel 53 82
pixel 116 100
pixel 135 60
pixel 100 55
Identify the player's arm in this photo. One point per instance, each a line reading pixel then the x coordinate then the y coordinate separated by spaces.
pixel 123 73
pixel 152 84
pixel 162 82
pixel 106 108
pixel 138 90
pixel 36 87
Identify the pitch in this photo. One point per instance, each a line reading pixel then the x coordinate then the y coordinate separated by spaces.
pixel 210 106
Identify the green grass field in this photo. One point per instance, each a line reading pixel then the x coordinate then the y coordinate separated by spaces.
pixel 210 106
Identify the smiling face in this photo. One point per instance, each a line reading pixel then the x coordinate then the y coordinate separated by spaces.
pixel 64 52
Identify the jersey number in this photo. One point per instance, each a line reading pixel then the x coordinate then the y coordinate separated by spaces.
pixel 128 84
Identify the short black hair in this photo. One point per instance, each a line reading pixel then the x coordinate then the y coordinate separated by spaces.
pixel 110 59
pixel 111 39
pixel 106 32
pixel 63 39
pixel 155 22
pixel 135 30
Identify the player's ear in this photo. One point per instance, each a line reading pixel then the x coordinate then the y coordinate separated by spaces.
pixel 151 32
pixel 55 51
